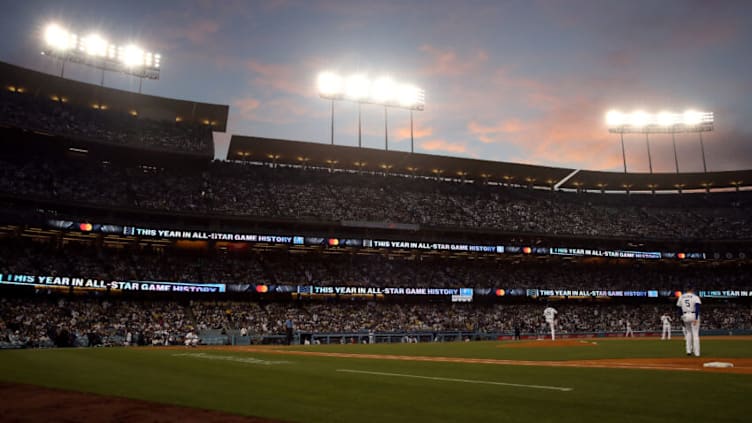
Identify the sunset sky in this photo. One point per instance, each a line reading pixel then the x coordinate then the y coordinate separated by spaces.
pixel 522 81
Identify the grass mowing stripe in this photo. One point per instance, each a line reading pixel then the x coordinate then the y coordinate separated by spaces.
pixel 448 379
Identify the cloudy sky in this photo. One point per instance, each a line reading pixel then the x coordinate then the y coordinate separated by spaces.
pixel 523 81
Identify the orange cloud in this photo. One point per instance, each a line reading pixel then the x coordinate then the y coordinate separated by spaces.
pixel 573 135
pixel 403 133
pixel 293 107
pixel 536 94
pixel 279 110
pixel 279 78
pixel 246 107
pixel 490 134
pixel 543 121
pixel 443 145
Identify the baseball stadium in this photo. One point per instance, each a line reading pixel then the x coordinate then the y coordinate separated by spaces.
pixel 148 274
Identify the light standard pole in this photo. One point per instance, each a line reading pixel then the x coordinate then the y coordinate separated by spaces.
pixel 332 128
pixel 623 154
pixel 412 138
pixel 386 131
pixel 702 149
pixel 676 157
pixel 360 138
pixel 650 158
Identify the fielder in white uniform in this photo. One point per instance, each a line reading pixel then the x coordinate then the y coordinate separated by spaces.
pixel 689 303
pixel 666 322
pixel 550 315
pixel 191 339
pixel 629 333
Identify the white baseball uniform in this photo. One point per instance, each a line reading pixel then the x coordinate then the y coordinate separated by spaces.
pixel 550 315
pixel 629 330
pixel 666 321
pixel 689 303
pixel 191 339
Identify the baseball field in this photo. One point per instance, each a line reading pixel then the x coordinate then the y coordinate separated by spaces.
pixel 592 380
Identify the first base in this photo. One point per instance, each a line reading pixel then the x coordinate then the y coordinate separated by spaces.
pixel 718 364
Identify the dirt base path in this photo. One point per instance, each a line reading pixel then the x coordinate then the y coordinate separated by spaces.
pixel 27 403
pixel 690 364
pixel 547 343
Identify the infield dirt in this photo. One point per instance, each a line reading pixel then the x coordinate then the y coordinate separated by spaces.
pixel 690 364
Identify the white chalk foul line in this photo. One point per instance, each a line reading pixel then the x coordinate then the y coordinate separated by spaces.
pixel 448 379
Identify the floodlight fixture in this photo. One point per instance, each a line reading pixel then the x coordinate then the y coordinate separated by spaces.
pixel 359 88
pixel 383 90
pixel 615 118
pixel 665 119
pixel 330 84
pixel 692 117
pixel 59 38
pixel 639 119
pixel 96 51
pixel 409 95
pixel 131 55
pixel 664 122
pixel 95 45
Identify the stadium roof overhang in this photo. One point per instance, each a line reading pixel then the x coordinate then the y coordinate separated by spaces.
pixel 266 150
pixel 257 149
pixel 618 181
pixel 85 95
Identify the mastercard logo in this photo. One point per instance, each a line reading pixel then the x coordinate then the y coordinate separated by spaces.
pixel 677 293
pixel 333 242
pixel 527 250
pixel 500 293
pixel 681 256
pixel 262 289
pixel 86 227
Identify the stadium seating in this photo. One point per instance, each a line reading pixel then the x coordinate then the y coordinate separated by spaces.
pixel 39 183
pixel 313 268
pixel 312 195
pixel 22 110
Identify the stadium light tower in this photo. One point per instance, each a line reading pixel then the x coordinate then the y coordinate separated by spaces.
pixel 94 50
pixel 639 122
pixel 383 91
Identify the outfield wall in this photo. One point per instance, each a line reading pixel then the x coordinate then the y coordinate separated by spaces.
pixel 234 338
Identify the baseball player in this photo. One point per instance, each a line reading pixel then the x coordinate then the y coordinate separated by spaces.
pixel 550 315
pixel 666 322
pixel 689 306
pixel 191 339
pixel 629 333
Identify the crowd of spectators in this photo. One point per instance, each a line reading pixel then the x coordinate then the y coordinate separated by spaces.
pixel 43 321
pixel 101 125
pixel 287 267
pixel 572 317
pixel 51 321
pixel 320 195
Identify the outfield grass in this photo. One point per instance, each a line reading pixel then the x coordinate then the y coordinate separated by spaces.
pixel 311 389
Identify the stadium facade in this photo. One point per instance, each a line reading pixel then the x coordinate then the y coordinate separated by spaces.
pixel 116 195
